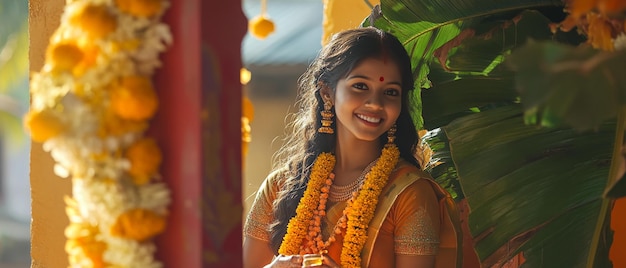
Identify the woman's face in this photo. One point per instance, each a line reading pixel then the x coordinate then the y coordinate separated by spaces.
pixel 368 100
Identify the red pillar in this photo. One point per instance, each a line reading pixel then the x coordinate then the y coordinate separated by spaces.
pixel 199 130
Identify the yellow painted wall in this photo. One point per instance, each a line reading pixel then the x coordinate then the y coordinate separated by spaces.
pixel 344 14
pixel 47 190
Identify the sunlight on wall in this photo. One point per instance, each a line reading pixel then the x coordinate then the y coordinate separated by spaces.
pixel 47 190
pixel 344 14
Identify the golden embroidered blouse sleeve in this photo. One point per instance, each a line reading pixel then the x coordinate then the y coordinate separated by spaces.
pixel 261 216
pixel 416 214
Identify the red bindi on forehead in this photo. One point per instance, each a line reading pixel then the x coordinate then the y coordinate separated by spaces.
pixel 381 79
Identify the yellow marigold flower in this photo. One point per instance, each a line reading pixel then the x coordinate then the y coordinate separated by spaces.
pixel 138 224
pixel 600 32
pixel 95 20
pixel 297 228
pixel 134 98
pixel 356 216
pixel 145 159
pixel 77 230
pixel 261 26
pixel 113 125
pixel 364 205
pixel 140 8
pixel 90 56
pixel 579 7
pixel 82 241
pixel 611 7
pixel 63 56
pixel 125 45
pixel 89 247
pixel 43 125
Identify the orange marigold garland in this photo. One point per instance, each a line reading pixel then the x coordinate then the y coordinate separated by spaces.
pixel 298 226
pixel 303 231
pixel 90 106
pixel 361 211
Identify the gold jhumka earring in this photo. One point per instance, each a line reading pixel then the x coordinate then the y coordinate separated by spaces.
pixel 327 119
pixel 391 136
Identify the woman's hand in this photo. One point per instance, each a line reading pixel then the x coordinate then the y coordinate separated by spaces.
pixel 319 260
pixel 282 261
pixel 329 262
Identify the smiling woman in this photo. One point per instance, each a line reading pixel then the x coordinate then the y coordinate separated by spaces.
pixel 352 190
pixel 365 106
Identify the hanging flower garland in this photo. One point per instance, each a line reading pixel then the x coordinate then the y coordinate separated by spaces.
pixel 261 25
pixel 90 107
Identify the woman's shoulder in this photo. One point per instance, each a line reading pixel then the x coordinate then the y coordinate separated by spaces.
pixel 407 169
pixel 410 179
pixel 272 183
pixel 277 176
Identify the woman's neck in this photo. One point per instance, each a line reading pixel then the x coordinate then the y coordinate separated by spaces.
pixel 354 156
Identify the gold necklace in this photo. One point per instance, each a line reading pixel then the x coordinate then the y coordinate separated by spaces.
pixel 340 193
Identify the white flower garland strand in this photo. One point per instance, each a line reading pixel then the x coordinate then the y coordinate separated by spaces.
pixel 71 105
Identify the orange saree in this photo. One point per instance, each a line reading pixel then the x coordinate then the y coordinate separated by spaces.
pixel 414 216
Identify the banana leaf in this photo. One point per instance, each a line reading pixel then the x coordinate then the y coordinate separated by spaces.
pixel 425 26
pixel 571 85
pixel 531 190
pixel 574 85
pixel 521 180
pixel 441 166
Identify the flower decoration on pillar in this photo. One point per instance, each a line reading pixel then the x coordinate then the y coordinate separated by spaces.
pixel 91 104
pixel 262 25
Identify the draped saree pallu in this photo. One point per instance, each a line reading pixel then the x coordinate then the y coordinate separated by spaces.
pixel 406 220
pixel 448 251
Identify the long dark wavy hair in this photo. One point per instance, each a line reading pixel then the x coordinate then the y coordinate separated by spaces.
pixel 335 61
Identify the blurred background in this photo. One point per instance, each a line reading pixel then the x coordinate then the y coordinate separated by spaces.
pixel 14 143
pixel 275 63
